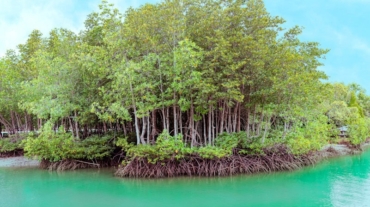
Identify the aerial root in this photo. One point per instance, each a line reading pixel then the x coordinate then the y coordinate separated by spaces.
pixel 72 164
pixel 274 159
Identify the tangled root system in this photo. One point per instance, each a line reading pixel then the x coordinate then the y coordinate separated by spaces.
pixel 274 159
pixel 72 164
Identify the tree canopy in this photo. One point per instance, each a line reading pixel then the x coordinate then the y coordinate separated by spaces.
pixel 199 68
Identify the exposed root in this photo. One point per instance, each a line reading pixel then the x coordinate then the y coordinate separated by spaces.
pixel 15 153
pixel 332 150
pixel 274 159
pixel 72 164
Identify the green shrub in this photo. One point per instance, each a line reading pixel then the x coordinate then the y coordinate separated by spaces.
pixel 14 142
pixel 169 147
pixel 310 137
pixel 94 147
pixel 166 147
pixel 9 145
pixel 56 146
pixel 211 152
pixel 230 141
pixel 247 145
pixel 359 130
pixel 299 145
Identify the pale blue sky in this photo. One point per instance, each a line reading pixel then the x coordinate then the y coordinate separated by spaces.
pixel 339 25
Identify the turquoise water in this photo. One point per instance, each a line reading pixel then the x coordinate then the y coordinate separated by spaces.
pixel 338 182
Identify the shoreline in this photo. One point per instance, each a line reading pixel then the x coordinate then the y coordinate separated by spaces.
pixel 18 161
pixel 338 150
pixel 327 152
pixel 276 159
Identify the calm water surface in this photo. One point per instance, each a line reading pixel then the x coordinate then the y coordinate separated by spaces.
pixel 339 182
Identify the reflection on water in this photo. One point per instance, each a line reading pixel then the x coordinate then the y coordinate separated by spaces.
pixel 338 182
pixel 350 185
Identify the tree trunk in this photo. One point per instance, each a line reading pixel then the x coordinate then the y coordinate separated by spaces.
pixel 180 122
pixel 164 118
pixel 247 130
pixel 76 126
pixel 191 124
pixel 71 126
pixel 175 115
pixel 168 118
pixel 266 128
pixel 143 130
pixel 154 126
pixel 222 118
pixel 124 128
pixel 135 116
pixel 210 125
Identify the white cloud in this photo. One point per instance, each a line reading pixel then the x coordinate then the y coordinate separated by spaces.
pixel 19 17
pixel 348 40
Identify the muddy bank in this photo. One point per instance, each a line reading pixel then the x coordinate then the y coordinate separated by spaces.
pixel 18 162
pixel 334 150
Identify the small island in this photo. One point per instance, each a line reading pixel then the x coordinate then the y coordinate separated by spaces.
pixel 177 88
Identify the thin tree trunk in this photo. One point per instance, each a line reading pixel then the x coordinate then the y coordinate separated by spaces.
pixel 216 122
pixel 154 126
pixel 105 127
pixel 135 116
pixel 191 124
pixel 19 122
pixel 175 115
pixel 210 125
pixel 247 123
pixel 266 129
pixel 71 126
pixel 124 128
pixel 213 127
pixel 26 122
pixel 238 119
pixel 235 115
pixel 164 118
pixel 259 128
pixel 222 118
pixel 5 123
pixel 254 124
pixel 76 126
pixel 143 130
pixel 13 122
pixel 229 128
pixel 30 122
pixel 204 128
pixel 168 118
pixel 148 130
pixel 180 122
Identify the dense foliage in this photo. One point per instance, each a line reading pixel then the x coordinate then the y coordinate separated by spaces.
pixel 55 146
pixel 179 77
pixel 9 145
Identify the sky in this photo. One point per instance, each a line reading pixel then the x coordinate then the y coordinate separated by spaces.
pixel 338 25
